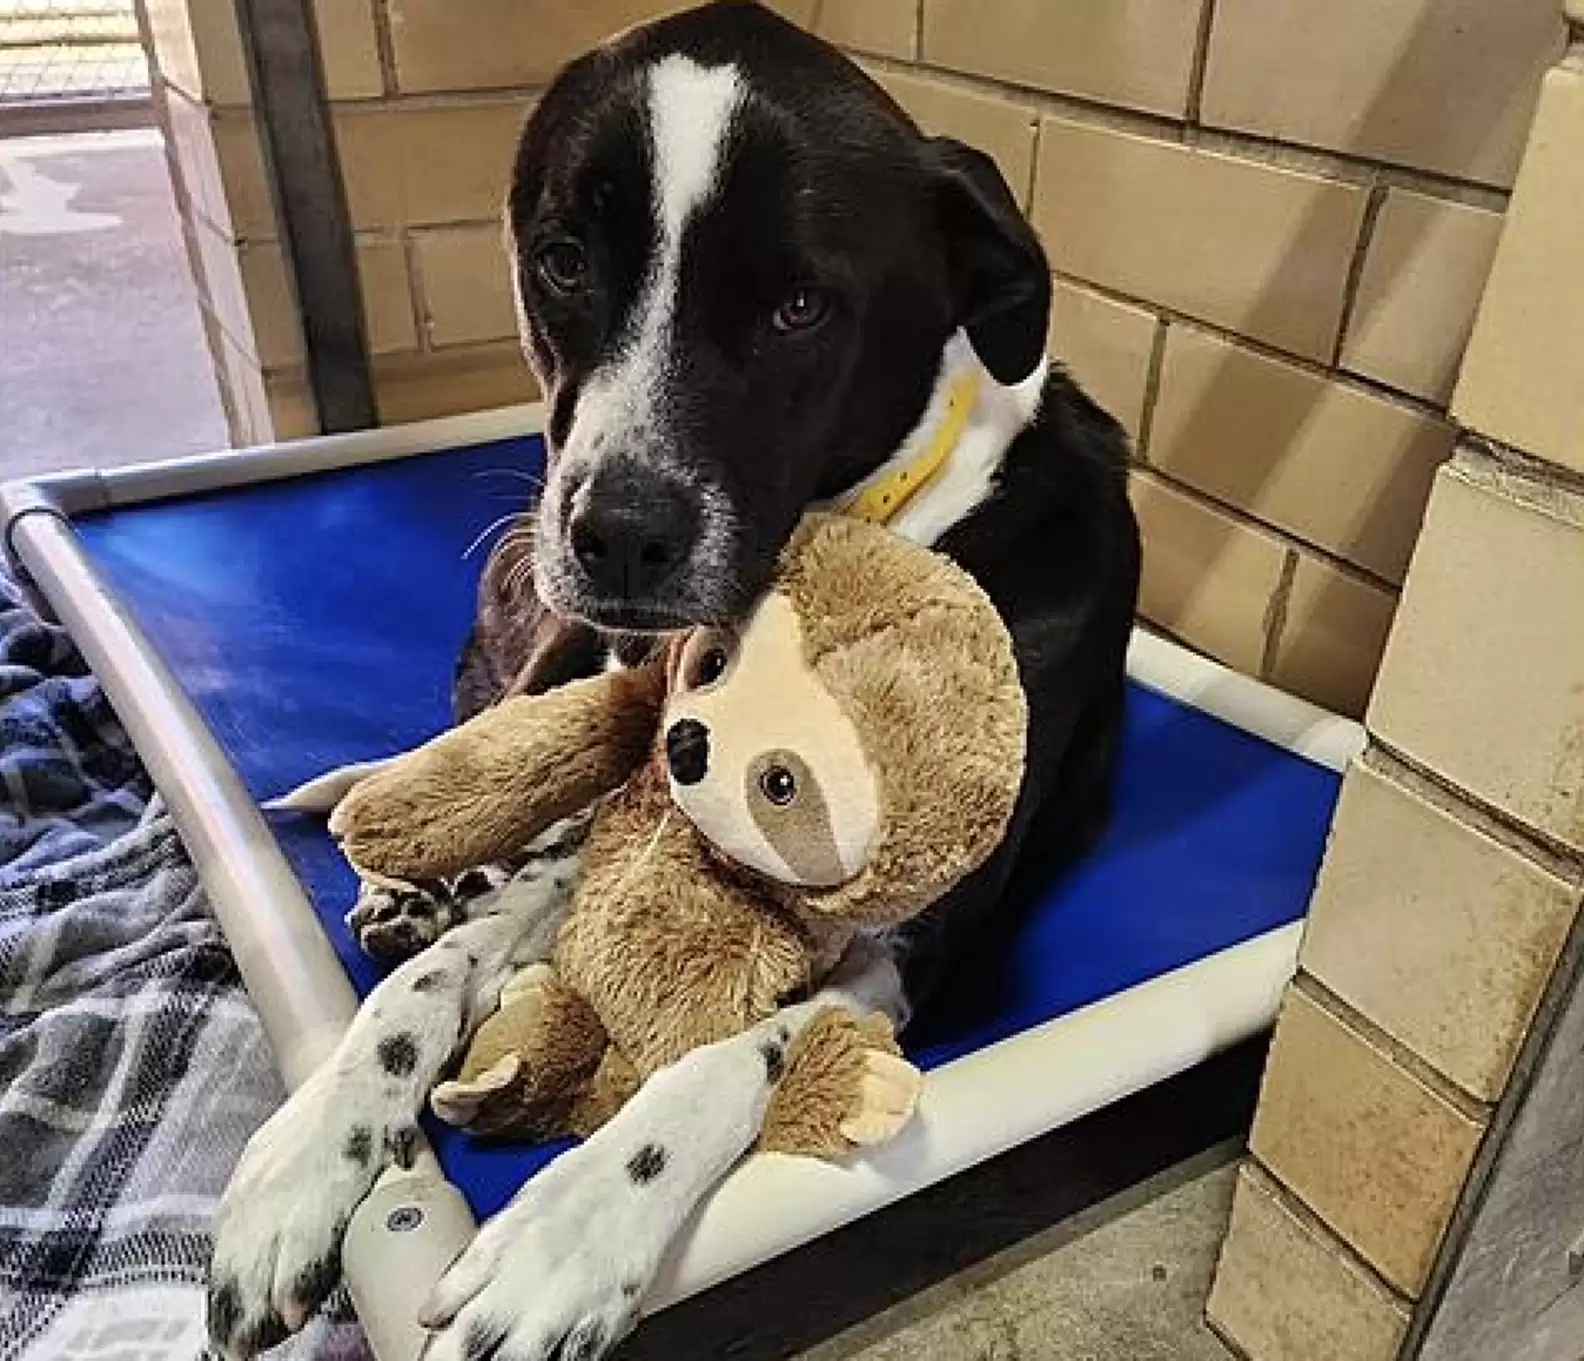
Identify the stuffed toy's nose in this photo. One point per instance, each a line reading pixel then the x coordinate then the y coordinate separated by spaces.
pixel 687 750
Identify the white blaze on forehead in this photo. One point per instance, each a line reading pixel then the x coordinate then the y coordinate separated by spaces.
pixel 690 114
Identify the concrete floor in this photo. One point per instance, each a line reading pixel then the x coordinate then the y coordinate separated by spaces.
pixel 1125 1281
pixel 102 355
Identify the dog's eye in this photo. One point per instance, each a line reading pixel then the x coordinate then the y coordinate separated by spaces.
pixel 563 265
pixel 779 785
pixel 801 310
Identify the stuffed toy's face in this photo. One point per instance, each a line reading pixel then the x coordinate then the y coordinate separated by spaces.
pixel 763 760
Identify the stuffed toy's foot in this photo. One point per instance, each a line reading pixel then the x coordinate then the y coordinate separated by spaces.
pixel 846 1086
pixel 529 1064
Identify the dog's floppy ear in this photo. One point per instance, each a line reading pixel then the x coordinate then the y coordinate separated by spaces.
pixel 1000 280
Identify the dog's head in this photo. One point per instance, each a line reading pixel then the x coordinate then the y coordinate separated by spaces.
pixel 738 263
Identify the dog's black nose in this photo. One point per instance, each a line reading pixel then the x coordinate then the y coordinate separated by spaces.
pixel 632 532
pixel 687 750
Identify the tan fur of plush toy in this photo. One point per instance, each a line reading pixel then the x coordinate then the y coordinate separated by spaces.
pixel 863 749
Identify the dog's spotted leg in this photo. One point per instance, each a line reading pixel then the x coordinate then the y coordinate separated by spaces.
pixel 280 1225
pixel 559 1275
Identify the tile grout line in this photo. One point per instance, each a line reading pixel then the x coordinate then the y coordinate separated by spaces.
pixel 385 47
pixel 1152 382
pixel 1275 619
pixel 475 350
pixel 427 101
pixel 1256 148
pixel 1027 201
pixel 1538 850
pixel 1288 1200
pixel 1532 481
pixel 1355 274
pixel 1043 103
pixel 1201 62
pixel 417 294
pixel 1229 1344
pixel 1395 1051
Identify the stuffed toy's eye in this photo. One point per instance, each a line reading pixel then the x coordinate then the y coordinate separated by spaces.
pixel 710 667
pixel 778 785
pixel 563 265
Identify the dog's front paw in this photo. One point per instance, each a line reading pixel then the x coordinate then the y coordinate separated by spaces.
pixel 278 1233
pixel 392 924
pixel 557 1276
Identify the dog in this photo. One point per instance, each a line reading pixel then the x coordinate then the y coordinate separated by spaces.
pixel 749 286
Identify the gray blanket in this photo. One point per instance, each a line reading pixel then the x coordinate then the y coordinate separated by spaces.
pixel 132 1068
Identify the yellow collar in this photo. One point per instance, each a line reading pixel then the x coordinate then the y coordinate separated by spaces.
pixel 883 499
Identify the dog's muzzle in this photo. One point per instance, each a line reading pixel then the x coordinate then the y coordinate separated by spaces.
pixel 630 532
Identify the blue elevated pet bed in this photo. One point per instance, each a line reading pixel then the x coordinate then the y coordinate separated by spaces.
pixel 312 618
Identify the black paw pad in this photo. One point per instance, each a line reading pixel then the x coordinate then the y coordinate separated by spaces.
pixel 404 1147
pixel 316 1282
pixel 262 1334
pixel 225 1310
pixel 482 1339
pixel 586 1342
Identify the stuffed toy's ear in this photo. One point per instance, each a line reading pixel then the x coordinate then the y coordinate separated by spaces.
pixel 486 789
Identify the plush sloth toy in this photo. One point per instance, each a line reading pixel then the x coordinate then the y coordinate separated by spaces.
pixel 837 763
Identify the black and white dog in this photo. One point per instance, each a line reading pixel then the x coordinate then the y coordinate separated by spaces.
pixel 749 285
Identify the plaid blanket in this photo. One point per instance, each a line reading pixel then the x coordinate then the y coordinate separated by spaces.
pixel 132 1068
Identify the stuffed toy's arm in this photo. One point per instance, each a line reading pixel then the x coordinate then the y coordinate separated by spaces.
pixel 486 789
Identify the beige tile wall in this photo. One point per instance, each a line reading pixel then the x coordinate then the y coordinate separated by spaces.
pixel 1441 930
pixel 1377 1153
pixel 1376 79
pixel 1444 935
pixel 1432 918
pixel 1537 310
pixel 1343 1311
pixel 1270 226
